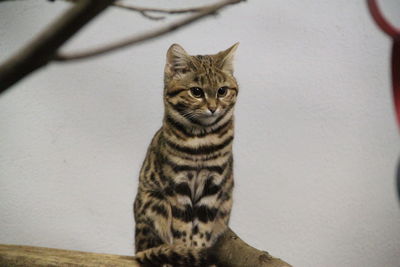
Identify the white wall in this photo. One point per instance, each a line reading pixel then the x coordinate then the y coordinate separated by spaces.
pixel 316 141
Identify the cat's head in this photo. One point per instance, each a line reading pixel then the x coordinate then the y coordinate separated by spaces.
pixel 199 90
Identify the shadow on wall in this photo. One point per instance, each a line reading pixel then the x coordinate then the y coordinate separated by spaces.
pixel 398 179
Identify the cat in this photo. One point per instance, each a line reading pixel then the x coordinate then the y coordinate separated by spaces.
pixel 184 197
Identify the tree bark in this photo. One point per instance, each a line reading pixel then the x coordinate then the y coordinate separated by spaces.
pixel 12 255
pixel 230 251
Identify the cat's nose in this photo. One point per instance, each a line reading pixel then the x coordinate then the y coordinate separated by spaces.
pixel 212 109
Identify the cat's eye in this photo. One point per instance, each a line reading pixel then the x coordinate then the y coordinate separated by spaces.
pixel 197 92
pixel 222 91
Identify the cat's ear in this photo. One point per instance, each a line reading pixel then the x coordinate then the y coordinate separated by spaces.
pixel 226 58
pixel 177 60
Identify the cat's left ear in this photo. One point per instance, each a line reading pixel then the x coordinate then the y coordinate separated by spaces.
pixel 177 60
pixel 226 58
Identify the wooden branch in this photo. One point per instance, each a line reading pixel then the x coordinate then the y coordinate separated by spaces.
pixel 142 11
pixel 230 250
pixel 42 49
pixel 146 10
pixel 146 36
pixel 12 255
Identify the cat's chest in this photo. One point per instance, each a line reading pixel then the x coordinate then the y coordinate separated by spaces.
pixel 196 165
pixel 196 183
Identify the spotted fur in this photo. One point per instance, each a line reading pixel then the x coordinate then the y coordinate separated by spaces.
pixel 184 198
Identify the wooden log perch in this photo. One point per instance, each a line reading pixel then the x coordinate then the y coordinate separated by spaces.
pixel 230 250
pixel 12 255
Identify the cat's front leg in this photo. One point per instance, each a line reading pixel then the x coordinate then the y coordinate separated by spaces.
pixel 182 219
pixel 153 220
pixel 212 212
pixel 210 223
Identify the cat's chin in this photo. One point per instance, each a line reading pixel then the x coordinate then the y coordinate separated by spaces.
pixel 207 120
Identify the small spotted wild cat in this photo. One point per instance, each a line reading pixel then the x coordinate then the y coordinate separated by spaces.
pixel 184 197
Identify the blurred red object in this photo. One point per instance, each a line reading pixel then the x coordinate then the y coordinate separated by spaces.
pixel 394 33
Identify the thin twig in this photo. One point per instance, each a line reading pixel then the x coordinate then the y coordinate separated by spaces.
pixel 162 10
pixel 152 17
pixel 145 11
pixel 145 36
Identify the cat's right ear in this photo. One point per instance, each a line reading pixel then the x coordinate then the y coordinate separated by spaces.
pixel 177 60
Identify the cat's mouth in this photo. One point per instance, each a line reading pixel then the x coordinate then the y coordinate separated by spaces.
pixel 203 118
pixel 208 118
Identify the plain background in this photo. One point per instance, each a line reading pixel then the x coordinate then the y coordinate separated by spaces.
pixel 316 141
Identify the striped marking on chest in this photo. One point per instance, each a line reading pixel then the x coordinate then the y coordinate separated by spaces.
pixel 202 149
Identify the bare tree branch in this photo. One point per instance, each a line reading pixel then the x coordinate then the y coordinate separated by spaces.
pixel 27 256
pixel 210 10
pixel 230 251
pixel 142 11
pixel 44 47
pixel 41 50
pixel 146 10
